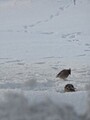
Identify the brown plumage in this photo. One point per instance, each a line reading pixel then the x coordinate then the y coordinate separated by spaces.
pixel 64 73
pixel 69 88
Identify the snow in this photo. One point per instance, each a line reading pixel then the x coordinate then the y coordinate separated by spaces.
pixel 38 38
pixel 17 107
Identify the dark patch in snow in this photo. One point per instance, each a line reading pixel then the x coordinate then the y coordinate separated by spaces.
pixel 47 33
pixel 87 44
pixel 40 63
pixel 81 55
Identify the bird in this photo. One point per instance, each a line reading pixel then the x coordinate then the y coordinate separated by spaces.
pixel 64 74
pixel 69 88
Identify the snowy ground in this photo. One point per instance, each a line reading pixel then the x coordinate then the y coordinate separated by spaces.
pixel 38 38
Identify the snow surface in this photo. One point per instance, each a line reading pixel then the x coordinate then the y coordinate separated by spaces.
pixel 38 38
